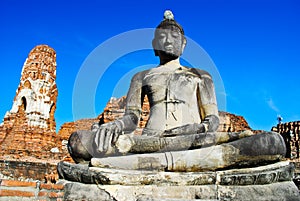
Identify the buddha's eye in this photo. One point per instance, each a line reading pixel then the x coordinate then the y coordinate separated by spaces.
pixel 175 34
pixel 161 35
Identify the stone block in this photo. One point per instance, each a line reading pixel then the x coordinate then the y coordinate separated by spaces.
pixel 275 191
pixel 267 182
pixel 78 191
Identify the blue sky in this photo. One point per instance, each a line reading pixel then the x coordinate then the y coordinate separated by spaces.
pixel 254 45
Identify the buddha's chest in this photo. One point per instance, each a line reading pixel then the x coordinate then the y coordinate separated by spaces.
pixel 173 85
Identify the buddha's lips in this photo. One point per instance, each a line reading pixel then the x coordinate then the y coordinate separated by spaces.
pixel 169 47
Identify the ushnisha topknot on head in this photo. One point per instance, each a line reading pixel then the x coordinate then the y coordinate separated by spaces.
pixel 168 15
pixel 169 21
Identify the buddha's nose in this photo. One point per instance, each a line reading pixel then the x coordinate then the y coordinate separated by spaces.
pixel 168 38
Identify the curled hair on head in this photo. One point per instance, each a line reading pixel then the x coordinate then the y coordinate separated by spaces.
pixel 169 23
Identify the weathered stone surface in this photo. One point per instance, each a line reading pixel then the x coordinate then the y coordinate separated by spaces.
pixel 270 182
pixel 28 129
pixel 277 172
pixel 275 191
pixel 80 173
pixel 249 151
pixel 149 144
pixel 153 192
pixel 78 191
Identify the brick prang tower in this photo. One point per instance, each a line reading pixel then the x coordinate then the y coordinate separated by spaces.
pixel 29 128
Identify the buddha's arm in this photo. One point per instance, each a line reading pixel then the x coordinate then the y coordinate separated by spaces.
pixel 208 103
pixel 134 103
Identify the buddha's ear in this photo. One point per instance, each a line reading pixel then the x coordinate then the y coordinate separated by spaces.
pixel 183 44
pixel 154 45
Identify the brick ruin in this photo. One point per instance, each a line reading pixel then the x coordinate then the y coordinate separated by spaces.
pixel 30 190
pixel 290 131
pixel 29 128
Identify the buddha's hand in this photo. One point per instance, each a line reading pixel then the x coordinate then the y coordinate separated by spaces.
pixel 186 129
pixel 107 135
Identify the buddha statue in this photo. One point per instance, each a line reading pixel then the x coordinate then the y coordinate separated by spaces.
pixel 180 154
pixel 183 120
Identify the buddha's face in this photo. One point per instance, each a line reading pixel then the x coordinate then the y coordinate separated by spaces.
pixel 169 42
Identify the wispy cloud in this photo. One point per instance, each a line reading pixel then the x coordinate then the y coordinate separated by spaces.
pixel 272 105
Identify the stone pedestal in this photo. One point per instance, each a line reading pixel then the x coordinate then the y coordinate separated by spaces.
pixel 269 182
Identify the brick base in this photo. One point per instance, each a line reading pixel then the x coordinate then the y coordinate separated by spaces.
pixel 18 190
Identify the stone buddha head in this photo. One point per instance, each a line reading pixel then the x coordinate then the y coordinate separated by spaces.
pixel 169 40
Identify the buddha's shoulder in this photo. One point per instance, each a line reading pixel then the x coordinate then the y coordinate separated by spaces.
pixel 199 72
pixel 140 75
